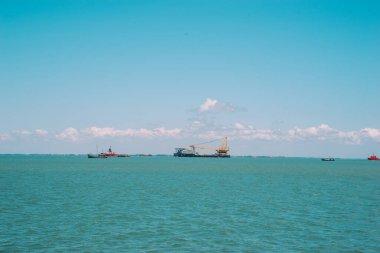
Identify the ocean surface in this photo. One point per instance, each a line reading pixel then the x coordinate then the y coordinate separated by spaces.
pixel 56 203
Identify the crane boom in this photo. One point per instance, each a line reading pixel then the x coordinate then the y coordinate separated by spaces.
pixel 203 147
pixel 223 148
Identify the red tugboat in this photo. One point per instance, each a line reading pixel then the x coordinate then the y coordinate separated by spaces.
pixel 106 154
pixel 374 158
pixel 109 153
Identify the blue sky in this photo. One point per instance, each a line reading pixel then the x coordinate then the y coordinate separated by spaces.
pixel 294 78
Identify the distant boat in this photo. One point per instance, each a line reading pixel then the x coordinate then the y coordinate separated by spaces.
pixel 373 158
pixel 96 156
pixel 330 159
pixel 123 155
pixel 107 154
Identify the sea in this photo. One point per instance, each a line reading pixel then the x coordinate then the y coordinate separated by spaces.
pixel 69 203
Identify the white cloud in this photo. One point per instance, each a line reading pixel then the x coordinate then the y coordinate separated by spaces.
pixel 41 132
pixel 206 129
pixel 324 132
pixel 241 131
pixel 311 132
pixel 238 132
pixel 371 133
pixel 213 105
pixel 208 105
pixel 142 132
pixel 101 132
pixel 349 137
pixel 70 134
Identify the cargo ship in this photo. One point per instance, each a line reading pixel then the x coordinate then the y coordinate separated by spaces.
pixel 190 151
pixel 374 158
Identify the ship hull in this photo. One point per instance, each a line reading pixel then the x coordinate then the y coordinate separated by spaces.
pixel 96 156
pixel 110 154
pixel 328 159
pixel 373 158
pixel 123 155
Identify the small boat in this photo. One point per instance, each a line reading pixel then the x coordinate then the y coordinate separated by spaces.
pixel 330 159
pixel 107 154
pixel 96 156
pixel 373 158
pixel 123 155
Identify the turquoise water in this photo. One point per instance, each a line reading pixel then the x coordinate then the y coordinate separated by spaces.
pixel 167 204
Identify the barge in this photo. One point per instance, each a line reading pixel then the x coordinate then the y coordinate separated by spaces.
pixel 190 151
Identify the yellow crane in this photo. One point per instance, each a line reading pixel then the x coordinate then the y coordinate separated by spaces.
pixel 222 150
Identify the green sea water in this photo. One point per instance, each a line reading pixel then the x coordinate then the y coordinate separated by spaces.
pixel 52 203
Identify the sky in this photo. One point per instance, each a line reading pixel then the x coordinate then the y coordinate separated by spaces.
pixel 278 78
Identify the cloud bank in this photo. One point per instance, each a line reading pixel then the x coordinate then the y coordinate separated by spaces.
pixel 130 132
pixel 206 130
pixel 69 134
